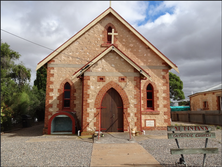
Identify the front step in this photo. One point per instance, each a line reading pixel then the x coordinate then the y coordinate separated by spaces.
pixel 113 137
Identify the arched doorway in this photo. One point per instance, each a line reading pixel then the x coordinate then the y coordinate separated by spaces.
pixel 62 122
pixel 112 112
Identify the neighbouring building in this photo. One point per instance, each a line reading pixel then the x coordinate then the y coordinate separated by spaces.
pixel 210 99
pixel 106 77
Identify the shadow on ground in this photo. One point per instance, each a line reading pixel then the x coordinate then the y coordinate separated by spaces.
pixel 35 130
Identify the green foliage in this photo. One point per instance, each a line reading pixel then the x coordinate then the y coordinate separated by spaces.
pixel 40 91
pixel 20 74
pixel 184 103
pixel 41 77
pixel 36 103
pixel 22 103
pixel 6 114
pixel 218 127
pixel 176 87
pixel 17 96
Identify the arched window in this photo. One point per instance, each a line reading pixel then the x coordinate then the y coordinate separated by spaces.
pixel 149 92
pixel 67 95
pixel 109 37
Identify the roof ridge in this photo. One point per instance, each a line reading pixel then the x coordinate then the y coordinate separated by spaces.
pixel 88 65
pixel 73 35
pixel 95 21
pixel 213 87
pixel 143 37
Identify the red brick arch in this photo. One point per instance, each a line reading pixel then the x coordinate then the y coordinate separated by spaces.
pixel 123 95
pixel 60 97
pixel 155 97
pixel 62 113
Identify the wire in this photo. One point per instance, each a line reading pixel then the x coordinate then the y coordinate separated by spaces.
pixel 40 45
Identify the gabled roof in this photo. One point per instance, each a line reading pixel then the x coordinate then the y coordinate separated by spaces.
pixel 217 87
pixel 105 52
pixel 91 24
pixel 214 88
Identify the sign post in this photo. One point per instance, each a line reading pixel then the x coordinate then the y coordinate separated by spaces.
pixel 189 135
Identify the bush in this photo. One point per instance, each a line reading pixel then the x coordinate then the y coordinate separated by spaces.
pixel 6 116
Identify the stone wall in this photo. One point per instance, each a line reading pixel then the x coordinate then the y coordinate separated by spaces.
pixel 61 68
pixel 197 100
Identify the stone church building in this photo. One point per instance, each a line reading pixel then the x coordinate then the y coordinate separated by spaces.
pixel 106 77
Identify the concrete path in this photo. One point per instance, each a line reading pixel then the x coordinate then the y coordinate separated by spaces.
pixel 121 154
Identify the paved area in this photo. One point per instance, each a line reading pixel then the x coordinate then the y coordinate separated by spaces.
pixel 121 154
pixel 115 137
pixel 119 149
pixel 28 147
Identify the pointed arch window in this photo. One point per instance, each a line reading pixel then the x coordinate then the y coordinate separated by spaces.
pixel 150 99
pixel 67 95
pixel 109 37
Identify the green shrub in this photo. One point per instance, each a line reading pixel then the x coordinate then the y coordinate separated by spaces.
pixel 218 127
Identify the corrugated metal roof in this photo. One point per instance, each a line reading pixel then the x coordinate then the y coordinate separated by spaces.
pixel 217 87
pixel 214 88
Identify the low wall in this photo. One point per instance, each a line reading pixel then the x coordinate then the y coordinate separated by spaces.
pixel 201 117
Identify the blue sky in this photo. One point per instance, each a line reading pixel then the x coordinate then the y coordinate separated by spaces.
pixel 152 6
pixel 190 35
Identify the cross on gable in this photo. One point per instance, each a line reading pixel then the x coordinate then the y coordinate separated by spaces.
pixel 112 33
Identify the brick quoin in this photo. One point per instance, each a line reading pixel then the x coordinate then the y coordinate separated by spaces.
pixel 137 105
pixel 48 97
pixel 167 98
pixel 85 95
pixel 99 99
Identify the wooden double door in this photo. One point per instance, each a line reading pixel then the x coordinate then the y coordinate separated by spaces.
pixel 112 112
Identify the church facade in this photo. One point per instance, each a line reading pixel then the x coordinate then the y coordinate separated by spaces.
pixel 106 77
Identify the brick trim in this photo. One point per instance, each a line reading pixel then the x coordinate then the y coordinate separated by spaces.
pixel 99 99
pixel 167 98
pixel 105 35
pixel 60 97
pixel 62 113
pixel 85 103
pixel 155 98
pixel 122 79
pixel 218 102
pixel 48 97
pixel 151 113
pixel 101 79
pixel 137 105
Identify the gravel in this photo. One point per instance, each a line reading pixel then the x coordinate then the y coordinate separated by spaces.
pixel 19 149
pixel 28 147
pixel 160 149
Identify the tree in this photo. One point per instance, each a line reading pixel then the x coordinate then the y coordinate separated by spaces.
pixel 40 90
pixel 20 74
pixel 176 87
pixel 8 85
pixel 41 77
pixel 14 100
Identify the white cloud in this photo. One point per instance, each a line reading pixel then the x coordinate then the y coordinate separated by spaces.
pixel 186 33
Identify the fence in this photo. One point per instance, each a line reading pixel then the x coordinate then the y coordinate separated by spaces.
pixel 200 117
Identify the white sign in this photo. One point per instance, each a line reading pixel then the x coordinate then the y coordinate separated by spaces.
pixel 149 123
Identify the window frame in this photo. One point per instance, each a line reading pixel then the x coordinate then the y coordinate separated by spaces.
pixel 66 90
pixel 152 99
pixel 109 36
pixel 205 105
